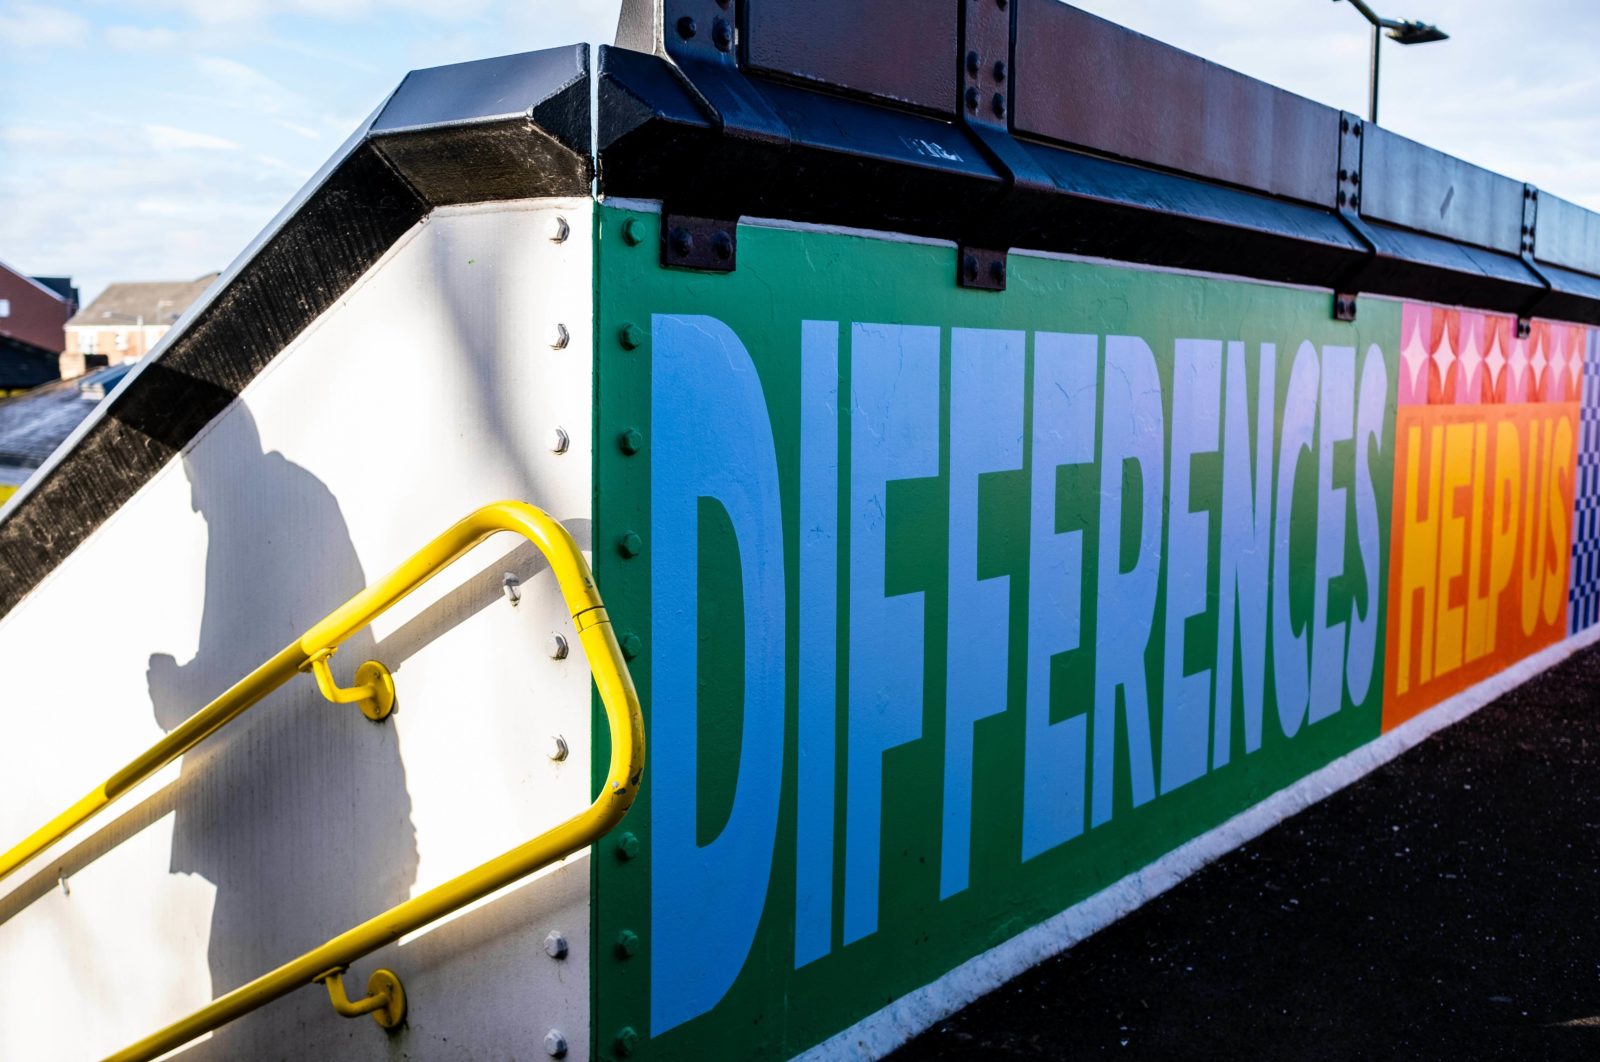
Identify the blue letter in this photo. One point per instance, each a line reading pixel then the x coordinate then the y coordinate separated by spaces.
pixel 1246 549
pixel 710 438
pixel 894 434
pixel 1186 698
pixel 1132 428
pixel 1290 657
pixel 819 625
pixel 1063 434
pixel 1369 435
pixel 1334 417
pixel 986 390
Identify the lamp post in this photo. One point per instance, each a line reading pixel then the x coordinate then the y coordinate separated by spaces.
pixel 1405 31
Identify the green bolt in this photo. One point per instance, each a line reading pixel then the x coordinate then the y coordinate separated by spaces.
pixel 631 441
pixel 630 544
pixel 627 944
pixel 628 846
pixel 626 1041
pixel 632 232
pixel 631 336
pixel 632 645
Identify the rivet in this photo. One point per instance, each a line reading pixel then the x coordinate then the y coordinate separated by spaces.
pixel 558 748
pixel 1355 179
pixel 1344 125
pixel 1344 175
pixel 632 232
pixel 625 1041
pixel 561 338
pixel 559 230
pixel 686 27
pixel 631 336
pixel 558 441
pixel 681 241
pixel 999 69
pixel 630 544
pixel 555 1045
pixel 1355 202
pixel 632 645
pixel 999 105
pixel 722 35
pixel 627 944
pixel 972 98
pixel 1357 130
pixel 628 846
pixel 630 441
pixel 997 270
pixel 1001 4
pixel 969 267
pixel 973 62
pixel 722 245
pixel 555 944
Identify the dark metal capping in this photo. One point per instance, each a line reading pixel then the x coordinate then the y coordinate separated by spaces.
pixel 1111 144
pixel 511 127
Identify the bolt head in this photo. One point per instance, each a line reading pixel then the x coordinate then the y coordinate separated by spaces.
pixel 626 1041
pixel 561 338
pixel 722 246
pixel 628 846
pixel 632 645
pixel 559 230
pixel 997 270
pixel 973 62
pixel 969 267
pixel 630 441
pixel 627 944
pixel 555 1045
pixel 632 232
pixel 972 98
pixel 681 242
pixel 999 105
pixel 630 544
pixel 999 69
pixel 631 336
pixel 687 28
pixel 722 35
pixel 558 441
pixel 556 646
pixel 555 944
pixel 558 748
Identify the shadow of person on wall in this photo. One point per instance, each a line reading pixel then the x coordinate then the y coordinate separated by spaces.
pixel 298 811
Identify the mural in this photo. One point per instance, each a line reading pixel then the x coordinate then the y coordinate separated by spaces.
pixel 951 608
pixel 1584 601
pixel 1486 450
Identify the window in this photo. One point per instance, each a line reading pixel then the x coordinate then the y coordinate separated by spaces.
pixel 5 307
pixel 122 341
pixel 88 342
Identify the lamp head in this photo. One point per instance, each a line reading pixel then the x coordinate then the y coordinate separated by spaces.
pixel 1410 31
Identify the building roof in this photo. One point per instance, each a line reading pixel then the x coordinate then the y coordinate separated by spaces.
pixel 33 424
pixel 154 302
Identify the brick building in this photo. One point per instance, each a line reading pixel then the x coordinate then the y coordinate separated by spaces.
pixel 125 321
pixel 33 311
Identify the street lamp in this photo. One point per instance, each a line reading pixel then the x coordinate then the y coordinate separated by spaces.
pixel 1403 30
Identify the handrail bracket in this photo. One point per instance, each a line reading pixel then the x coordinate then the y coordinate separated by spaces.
pixel 373 692
pixel 385 1000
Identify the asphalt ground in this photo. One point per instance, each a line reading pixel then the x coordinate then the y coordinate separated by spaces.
pixel 1446 906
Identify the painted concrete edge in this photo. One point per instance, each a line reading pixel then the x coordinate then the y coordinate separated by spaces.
pixel 883 1031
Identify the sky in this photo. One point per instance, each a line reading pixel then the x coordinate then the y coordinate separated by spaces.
pixel 152 139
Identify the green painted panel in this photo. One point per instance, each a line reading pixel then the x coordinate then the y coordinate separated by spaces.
pixel 927 604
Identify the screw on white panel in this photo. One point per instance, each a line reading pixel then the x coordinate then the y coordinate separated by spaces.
pixel 557 647
pixel 555 945
pixel 555 1044
pixel 559 230
pixel 558 747
pixel 559 441
pixel 562 337
pixel 61 878
pixel 509 584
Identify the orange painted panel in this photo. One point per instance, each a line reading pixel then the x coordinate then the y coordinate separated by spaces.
pixel 1486 450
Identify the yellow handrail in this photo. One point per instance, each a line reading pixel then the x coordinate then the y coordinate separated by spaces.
pixel 324 963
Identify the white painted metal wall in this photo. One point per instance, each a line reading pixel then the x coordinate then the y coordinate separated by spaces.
pixel 430 389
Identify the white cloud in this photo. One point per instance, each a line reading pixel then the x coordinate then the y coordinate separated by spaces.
pixel 38 26
pixel 170 138
pixel 142 38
